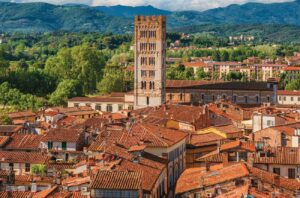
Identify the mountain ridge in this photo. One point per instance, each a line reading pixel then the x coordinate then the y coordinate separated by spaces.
pixel 43 17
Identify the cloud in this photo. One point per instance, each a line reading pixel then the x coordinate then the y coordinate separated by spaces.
pixel 162 4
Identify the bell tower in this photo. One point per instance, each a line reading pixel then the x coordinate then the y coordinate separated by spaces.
pixel 150 58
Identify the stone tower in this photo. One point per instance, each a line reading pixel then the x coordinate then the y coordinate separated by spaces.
pixel 150 57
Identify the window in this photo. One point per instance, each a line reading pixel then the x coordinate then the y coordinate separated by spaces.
pixel 50 145
pixel 284 98
pixel 88 104
pixel 27 167
pixel 181 96
pixel 143 73
pixel 151 73
pixel 76 105
pixel 246 99
pixel 148 101
pixel 98 107
pixel 234 99
pixel 269 122
pixel 257 99
pixel 143 85
pixel 109 108
pixel 279 98
pixel 64 146
pixel 292 99
pixel 130 107
pixel 120 107
pixel 276 171
pixel 170 96
pixel 11 165
pixel 151 85
pixel 298 99
pixel 291 173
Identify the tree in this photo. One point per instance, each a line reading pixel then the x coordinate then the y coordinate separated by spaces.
pixel 293 85
pixel 224 55
pixel 216 55
pixel 4 119
pixel 200 74
pixel 112 81
pixel 65 90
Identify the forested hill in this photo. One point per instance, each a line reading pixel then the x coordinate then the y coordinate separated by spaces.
pixel 40 17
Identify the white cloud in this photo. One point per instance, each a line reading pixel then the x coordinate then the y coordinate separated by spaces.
pixel 163 4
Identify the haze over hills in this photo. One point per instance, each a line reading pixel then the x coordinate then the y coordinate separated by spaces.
pixel 40 17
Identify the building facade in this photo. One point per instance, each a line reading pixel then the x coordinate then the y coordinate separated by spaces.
pixel 150 53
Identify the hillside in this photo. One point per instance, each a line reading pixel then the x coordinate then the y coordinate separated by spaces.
pixel 265 33
pixel 40 17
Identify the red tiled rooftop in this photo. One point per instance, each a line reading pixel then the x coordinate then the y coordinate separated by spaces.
pixel 197 178
pixel 24 142
pixel 120 180
pixel 61 135
pixel 20 114
pixel 288 93
pixel 195 64
pixel 23 157
pixel 292 69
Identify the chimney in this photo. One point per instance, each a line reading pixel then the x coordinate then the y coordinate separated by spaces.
pixel 276 180
pixel 225 159
pixel 33 187
pixel 207 166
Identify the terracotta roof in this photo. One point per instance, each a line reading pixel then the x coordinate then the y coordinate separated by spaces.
pixel 228 129
pixel 15 194
pixel 197 178
pixel 268 177
pixel 150 169
pixel 249 146
pixel 61 166
pixel 15 115
pixel 152 136
pixel 45 193
pixel 291 69
pixel 281 155
pixel 236 193
pixel 182 113
pixel 185 83
pixel 23 157
pixel 205 139
pixel 227 63
pixel 61 135
pixel 113 98
pixel 24 142
pixel 75 181
pixel 119 180
pixel 4 140
pixel 195 64
pixel 10 128
pixel 288 129
pixel 288 93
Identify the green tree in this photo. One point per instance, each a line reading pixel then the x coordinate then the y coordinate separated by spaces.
pixel 66 89
pixel 200 74
pixel 113 81
pixel 293 85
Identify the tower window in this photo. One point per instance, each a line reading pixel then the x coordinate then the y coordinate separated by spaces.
pixel 143 73
pixel 148 100
pixel 143 85
pixel 151 73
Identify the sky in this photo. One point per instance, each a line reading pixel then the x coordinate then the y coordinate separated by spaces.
pixel 198 5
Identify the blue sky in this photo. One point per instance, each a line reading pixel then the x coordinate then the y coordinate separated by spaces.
pixel 163 4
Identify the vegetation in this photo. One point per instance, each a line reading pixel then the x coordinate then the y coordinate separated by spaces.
pixel 48 68
pixel 39 169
